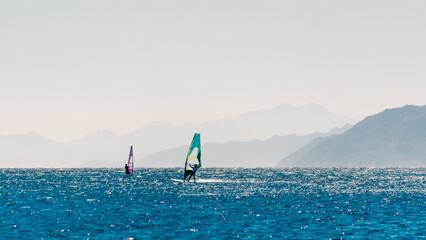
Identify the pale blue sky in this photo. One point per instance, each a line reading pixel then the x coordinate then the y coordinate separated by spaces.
pixel 68 68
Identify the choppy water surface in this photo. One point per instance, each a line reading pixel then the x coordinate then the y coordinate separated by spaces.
pixel 224 203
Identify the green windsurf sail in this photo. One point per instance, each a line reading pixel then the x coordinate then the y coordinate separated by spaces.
pixel 193 156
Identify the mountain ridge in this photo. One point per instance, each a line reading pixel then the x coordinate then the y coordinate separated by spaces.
pixel 392 138
pixel 106 146
pixel 254 153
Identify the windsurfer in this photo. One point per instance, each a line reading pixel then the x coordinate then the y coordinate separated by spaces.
pixel 127 170
pixel 194 169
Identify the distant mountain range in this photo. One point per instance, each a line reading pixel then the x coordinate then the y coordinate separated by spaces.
pixel 255 153
pixel 393 138
pixel 32 150
pixel 261 125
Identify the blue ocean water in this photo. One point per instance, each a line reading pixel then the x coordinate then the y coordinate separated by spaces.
pixel 224 204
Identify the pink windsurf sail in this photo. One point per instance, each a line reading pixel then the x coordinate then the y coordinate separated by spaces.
pixel 130 162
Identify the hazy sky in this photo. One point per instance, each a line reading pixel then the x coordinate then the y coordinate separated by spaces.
pixel 68 68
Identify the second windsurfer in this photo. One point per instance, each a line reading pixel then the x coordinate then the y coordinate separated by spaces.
pixel 127 170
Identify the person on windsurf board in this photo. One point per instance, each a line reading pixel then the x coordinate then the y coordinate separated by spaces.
pixel 129 165
pixel 127 170
pixel 191 172
pixel 193 158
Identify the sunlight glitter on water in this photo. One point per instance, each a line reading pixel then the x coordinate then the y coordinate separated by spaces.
pixel 222 204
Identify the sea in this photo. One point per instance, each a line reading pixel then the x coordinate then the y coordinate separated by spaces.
pixel 223 203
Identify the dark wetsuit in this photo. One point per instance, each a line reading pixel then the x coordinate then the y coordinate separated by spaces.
pixel 127 170
pixel 192 174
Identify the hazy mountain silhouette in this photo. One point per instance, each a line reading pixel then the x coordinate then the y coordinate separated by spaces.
pixel 263 124
pixel 32 150
pixel 29 150
pixel 393 138
pixel 255 153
